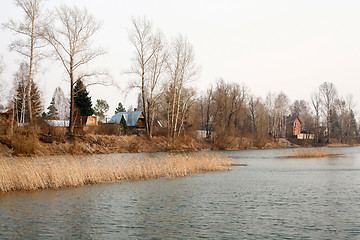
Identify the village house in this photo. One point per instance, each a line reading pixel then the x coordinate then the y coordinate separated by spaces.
pixel 133 120
pixel 83 123
pixel 6 116
pixel 86 121
pixel 293 127
pixel 294 130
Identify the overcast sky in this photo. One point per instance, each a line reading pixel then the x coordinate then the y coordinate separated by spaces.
pixel 279 45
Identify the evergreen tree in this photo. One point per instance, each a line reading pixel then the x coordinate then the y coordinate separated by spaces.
pixel 82 100
pixel 120 108
pixel 101 108
pixel 53 112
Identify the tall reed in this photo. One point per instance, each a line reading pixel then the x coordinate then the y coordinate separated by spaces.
pixel 312 153
pixel 71 171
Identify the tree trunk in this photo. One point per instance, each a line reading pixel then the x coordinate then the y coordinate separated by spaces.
pixel 72 103
pixel 31 70
pixel 173 112
pixel 177 110
pixel 144 103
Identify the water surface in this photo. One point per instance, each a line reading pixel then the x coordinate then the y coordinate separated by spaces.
pixel 270 198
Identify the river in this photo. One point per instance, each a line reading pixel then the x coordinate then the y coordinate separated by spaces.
pixel 271 198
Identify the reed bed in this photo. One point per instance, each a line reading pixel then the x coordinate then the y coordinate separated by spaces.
pixel 17 174
pixel 312 153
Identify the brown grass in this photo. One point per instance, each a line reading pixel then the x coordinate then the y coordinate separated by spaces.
pixel 69 171
pixel 312 153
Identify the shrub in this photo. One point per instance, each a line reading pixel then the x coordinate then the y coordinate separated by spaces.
pixel 25 141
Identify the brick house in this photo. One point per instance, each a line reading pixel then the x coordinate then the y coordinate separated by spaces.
pixel 293 127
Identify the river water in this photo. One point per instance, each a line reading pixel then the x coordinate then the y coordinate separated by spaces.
pixel 271 198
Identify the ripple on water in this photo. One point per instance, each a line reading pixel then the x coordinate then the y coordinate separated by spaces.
pixel 270 198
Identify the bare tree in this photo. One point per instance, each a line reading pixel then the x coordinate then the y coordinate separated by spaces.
pixel 2 85
pixel 278 107
pixel 270 105
pixel 157 67
pixel 61 104
pixel 316 104
pixel 70 36
pixel 301 109
pixel 345 123
pixel 182 69
pixel 149 65
pixel 229 100
pixel 253 111
pixel 328 95
pixel 30 43
pixel 188 101
pixel 207 113
pixel 19 98
pixel 258 117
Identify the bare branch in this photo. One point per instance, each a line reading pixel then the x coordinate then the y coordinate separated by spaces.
pixel 70 36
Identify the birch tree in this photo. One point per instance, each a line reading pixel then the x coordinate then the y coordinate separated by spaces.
pixel 71 35
pixel 30 43
pixel 19 99
pixel 328 95
pixel 182 69
pixel 278 108
pixel 148 67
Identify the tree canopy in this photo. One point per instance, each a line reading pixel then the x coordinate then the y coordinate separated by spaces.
pixel 101 108
pixel 120 108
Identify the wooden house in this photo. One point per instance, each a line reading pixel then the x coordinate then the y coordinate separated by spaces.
pixel 6 120
pixel 293 127
pixel 6 116
pixel 86 121
pixel 134 119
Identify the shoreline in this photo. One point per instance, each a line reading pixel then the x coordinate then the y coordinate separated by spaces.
pixel 91 144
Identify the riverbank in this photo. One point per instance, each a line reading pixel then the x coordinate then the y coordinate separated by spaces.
pixel 46 145
pixel 29 174
pixel 27 144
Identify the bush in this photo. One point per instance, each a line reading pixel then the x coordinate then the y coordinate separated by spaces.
pixel 109 129
pixel 25 141
pixel 222 142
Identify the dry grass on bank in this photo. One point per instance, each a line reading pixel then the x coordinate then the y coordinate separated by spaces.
pixel 312 153
pixel 29 174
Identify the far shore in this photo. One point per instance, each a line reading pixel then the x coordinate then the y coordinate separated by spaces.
pixel 89 144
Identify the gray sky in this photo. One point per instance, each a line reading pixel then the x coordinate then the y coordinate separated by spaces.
pixel 278 45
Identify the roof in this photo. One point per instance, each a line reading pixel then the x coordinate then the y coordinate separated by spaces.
pixel 292 119
pixel 6 110
pixel 58 123
pixel 130 118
